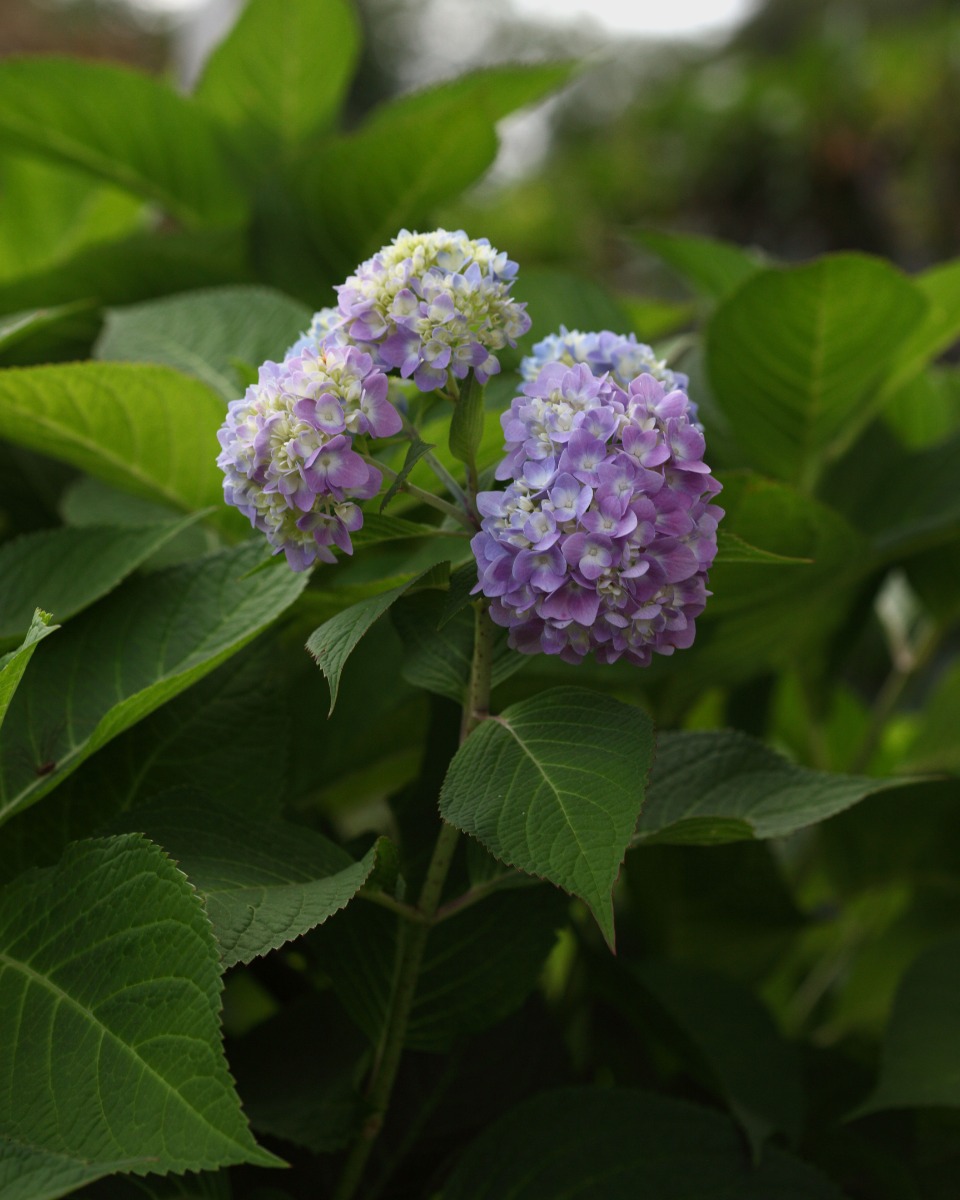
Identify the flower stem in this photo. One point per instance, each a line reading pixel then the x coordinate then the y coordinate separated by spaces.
pixel 413 933
pixel 411 489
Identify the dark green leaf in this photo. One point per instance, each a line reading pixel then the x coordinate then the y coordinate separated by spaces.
pixel 263 881
pixel 796 357
pixel 713 267
pixel 462 582
pixel 129 654
pixel 466 424
pixel 478 966
pixel 621 1144
pixel 731 548
pixel 124 128
pixel 111 1057
pixel 18 326
pixel 553 786
pixel 332 643
pixel 437 654
pixel 415 451
pixel 754 1069
pixel 206 333
pixel 723 786
pixel 65 570
pixel 277 80
pixel 920 1057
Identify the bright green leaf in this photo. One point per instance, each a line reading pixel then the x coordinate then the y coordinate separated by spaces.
pixel 124 128
pixel 722 786
pixel 278 78
pixel 623 1144
pixel 938 330
pixel 206 333
pixel 410 156
pixel 796 357
pixel 148 430
pixel 553 786
pixel 13 665
pixel 111 1056
pixel 65 570
pixel 713 267
pixel 129 654
pixel 263 881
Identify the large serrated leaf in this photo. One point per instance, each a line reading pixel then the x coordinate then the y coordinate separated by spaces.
pixel 109 1000
pixel 146 429
pixel 265 81
pixel 65 570
pixel 264 881
pixel 553 786
pixel 796 356
pixel 623 1144
pixel 725 786
pixel 409 157
pixel 124 128
pixel 129 654
pixel 209 334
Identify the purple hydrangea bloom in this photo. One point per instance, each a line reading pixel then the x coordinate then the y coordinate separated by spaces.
pixel 602 540
pixel 434 306
pixel 288 459
pixel 620 355
pixel 325 330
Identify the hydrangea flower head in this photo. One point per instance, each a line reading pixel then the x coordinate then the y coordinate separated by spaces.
pixel 287 450
pixel 602 540
pixel 620 355
pixel 323 330
pixel 431 305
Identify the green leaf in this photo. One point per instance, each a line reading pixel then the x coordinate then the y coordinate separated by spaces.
pixel 938 330
pixel 263 880
pixel 18 326
pixel 279 77
pixel 466 424
pixel 209 334
pixel 904 501
pixel 553 787
pixel 623 1144
pixel 796 357
pixel 459 593
pixel 410 156
pixel 713 267
pixel 556 298
pixel 125 129
pixel 926 410
pixel 13 665
pixel 724 786
pixel 415 451
pixel 477 969
pixel 66 570
pixel 765 614
pixel 50 213
pixel 920 1056
pixel 746 1058
pixel 148 430
pixel 110 994
pixel 129 654
pixel 731 548
pixel 332 643
pixel 437 653
pixel 198 740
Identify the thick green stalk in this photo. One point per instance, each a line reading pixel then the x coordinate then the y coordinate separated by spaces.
pixel 413 934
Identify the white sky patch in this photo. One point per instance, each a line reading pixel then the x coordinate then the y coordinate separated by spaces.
pixel 644 18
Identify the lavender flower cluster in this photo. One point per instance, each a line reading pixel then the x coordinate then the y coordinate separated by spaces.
pixel 429 305
pixel 287 449
pixel 602 540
